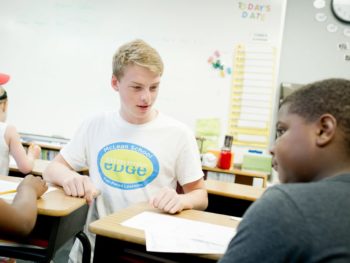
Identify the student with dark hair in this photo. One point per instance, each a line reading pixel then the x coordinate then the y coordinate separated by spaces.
pixel 307 218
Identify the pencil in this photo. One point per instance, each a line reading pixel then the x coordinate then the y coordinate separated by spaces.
pixel 8 192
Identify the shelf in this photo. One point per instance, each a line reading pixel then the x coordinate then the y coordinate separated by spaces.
pixel 50 146
pixel 240 176
pixel 235 191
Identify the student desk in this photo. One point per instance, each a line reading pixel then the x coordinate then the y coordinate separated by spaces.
pixel 60 218
pixel 241 176
pixel 231 198
pixel 233 190
pixel 119 243
pixel 38 169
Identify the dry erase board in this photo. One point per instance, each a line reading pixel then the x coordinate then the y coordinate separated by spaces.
pixel 59 55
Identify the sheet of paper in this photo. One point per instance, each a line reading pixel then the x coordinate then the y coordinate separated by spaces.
pixel 166 233
pixel 6 186
pixel 236 218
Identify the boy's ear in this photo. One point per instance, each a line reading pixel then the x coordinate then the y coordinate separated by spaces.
pixel 327 126
pixel 115 83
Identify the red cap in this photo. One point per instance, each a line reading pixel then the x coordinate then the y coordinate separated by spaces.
pixel 4 78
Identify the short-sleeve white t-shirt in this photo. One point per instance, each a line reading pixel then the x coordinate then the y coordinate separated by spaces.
pixel 130 163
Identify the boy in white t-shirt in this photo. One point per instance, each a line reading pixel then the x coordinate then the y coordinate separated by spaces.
pixel 135 154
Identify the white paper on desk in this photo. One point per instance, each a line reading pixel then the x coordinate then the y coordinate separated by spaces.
pixel 7 185
pixel 166 233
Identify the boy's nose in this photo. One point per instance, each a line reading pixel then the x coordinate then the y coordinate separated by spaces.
pixel 146 95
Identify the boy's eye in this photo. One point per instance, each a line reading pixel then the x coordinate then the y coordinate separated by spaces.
pixel 154 88
pixel 280 131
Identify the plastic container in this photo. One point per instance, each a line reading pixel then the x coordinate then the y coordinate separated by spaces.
pixel 226 156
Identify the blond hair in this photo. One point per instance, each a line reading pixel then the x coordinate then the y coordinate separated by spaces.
pixel 136 52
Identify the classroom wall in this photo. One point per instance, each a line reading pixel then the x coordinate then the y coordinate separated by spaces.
pixel 309 52
pixel 59 55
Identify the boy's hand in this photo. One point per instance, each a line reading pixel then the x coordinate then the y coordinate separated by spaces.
pixel 80 186
pixel 167 200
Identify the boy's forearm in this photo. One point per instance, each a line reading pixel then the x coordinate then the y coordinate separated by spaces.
pixel 25 205
pixel 26 166
pixel 57 173
pixel 196 199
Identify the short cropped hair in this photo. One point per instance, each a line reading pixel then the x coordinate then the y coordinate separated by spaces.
pixel 136 52
pixel 327 96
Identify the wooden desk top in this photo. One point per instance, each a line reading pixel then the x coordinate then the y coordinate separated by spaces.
pixel 39 167
pixel 110 226
pixel 232 190
pixel 54 203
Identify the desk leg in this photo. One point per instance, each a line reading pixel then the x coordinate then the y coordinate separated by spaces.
pixel 86 246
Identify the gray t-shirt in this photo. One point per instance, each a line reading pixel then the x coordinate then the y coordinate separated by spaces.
pixel 299 222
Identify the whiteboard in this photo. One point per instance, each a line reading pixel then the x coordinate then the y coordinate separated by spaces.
pixel 59 55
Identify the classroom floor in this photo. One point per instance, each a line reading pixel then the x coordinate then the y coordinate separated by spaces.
pixel 62 255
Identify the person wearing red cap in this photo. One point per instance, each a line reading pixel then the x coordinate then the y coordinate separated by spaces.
pixel 17 219
pixel 10 143
pixel 4 78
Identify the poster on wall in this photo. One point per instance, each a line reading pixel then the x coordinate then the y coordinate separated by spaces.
pixel 255 70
